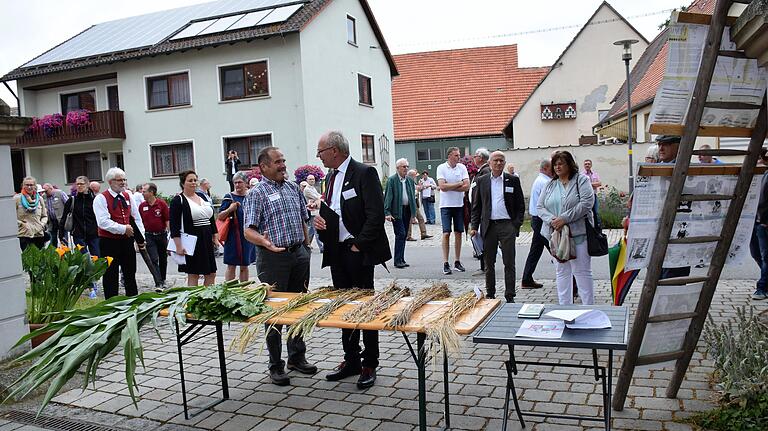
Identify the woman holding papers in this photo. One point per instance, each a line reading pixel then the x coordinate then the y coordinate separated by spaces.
pixel 192 215
pixel 564 206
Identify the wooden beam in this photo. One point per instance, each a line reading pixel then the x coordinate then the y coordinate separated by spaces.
pixel 659 357
pixel 720 152
pixel 731 105
pixel 680 281
pixel 695 239
pixel 671 317
pixel 82 80
pixel 663 170
pixel 700 18
pixel 708 131
pixel 699 198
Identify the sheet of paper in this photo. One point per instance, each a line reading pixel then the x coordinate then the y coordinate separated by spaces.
pixel 664 337
pixel 551 329
pixel 178 259
pixel 187 241
pixel 595 319
pixel 567 315
pixel 675 299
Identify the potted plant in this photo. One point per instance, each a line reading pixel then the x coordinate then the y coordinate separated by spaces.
pixel 52 123
pixel 302 172
pixel 57 278
pixel 78 119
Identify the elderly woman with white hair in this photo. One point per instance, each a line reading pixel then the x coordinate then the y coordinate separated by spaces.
pixel 400 207
pixel 237 251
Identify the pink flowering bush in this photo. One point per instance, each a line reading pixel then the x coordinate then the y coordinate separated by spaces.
pixel 302 172
pixel 255 172
pixel 51 123
pixel 78 118
pixel 470 164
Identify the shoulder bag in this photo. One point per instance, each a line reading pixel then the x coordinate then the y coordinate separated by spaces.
pixel 597 242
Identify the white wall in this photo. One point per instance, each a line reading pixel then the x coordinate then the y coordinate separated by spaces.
pixel 47 164
pixel 589 73
pixel 44 102
pixel 330 66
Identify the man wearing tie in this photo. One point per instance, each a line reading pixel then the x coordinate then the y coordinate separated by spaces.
pixel 498 208
pixel 354 243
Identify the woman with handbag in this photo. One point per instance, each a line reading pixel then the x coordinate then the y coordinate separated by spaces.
pixel 79 218
pixel 565 207
pixel 192 214
pixel 231 223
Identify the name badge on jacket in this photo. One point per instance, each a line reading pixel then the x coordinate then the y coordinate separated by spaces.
pixel 509 189
pixel 349 194
pixel 273 197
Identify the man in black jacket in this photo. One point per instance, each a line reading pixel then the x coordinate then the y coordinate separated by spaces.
pixel 498 208
pixel 80 208
pixel 351 227
pixel 758 246
pixel 231 167
pixel 480 158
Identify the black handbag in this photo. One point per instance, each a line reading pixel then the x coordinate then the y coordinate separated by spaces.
pixel 597 242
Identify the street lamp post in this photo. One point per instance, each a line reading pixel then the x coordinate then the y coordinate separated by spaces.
pixel 626 55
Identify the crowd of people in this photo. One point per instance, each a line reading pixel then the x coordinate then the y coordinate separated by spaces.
pixel 273 223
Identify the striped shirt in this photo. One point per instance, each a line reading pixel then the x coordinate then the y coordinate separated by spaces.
pixel 278 210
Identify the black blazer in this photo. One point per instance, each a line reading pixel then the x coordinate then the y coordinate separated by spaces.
pixel 228 165
pixel 484 170
pixel 363 217
pixel 481 203
pixel 180 211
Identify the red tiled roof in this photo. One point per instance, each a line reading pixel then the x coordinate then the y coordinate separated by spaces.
pixel 460 92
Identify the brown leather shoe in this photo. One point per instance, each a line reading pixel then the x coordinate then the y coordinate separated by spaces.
pixel 367 378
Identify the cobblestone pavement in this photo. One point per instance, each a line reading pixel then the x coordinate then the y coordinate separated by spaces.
pixel 311 403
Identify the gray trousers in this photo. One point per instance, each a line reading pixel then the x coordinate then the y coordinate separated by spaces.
pixel 501 233
pixel 288 271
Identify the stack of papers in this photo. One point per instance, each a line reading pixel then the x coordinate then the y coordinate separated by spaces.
pixel 541 329
pixel 530 311
pixel 582 319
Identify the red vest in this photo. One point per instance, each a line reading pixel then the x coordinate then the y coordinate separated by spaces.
pixel 117 213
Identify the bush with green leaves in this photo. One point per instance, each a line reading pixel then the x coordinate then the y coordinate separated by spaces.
pixel 612 207
pixel 57 278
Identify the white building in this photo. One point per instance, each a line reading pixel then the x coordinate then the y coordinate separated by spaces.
pixel 173 90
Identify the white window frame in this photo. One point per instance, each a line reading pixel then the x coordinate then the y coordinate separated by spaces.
pixel 354 20
pixel 373 136
pixel 106 95
pixel 357 85
pixel 78 90
pixel 69 153
pixel 145 78
pixel 244 99
pixel 242 135
pixel 166 143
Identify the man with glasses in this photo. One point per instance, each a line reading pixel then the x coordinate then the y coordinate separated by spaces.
pixel 55 200
pixel 399 207
pixel 119 225
pixel 31 215
pixel 155 216
pixel 354 242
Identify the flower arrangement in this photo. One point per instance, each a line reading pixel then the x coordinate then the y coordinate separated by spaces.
pixel 57 278
pixel 255 172
pixel 470 164
pixel 78 118
pixel 302 172
pixel 48 124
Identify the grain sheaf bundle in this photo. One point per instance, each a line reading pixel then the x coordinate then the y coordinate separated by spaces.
pixel 303 328
pixel 369 310
pixel 442 330
pixel 432 293
pixel 251 330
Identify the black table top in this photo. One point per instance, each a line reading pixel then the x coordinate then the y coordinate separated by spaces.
pixel 502 326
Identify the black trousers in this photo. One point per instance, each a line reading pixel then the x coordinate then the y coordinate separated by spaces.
pixel 288 271
pixel 38 241
pixel 500 233
pixel 347 273
pixel 157 243
pixel 124 257
pixel 538 243
pixel 56 231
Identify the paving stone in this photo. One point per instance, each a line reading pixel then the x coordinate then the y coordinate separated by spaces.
pixel 269 425
pixel 362 424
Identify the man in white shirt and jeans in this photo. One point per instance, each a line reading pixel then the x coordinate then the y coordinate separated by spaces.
pixel 453 181
pixel 538 242
pixel 427 191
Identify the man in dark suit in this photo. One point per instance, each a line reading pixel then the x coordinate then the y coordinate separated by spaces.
pixel 498 208
pixel 481 157
pixel 231 167
pixel 351 228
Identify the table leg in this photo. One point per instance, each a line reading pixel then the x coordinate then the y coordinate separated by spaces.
pixel 511 366
pixel 421 360
pixel 446 396
pixel 181 370
pixel 222 360
pixel 608 412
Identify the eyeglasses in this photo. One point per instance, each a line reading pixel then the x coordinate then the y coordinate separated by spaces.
pixel 30 185
pixel 79 184
pixel 323 150
pixel 120 180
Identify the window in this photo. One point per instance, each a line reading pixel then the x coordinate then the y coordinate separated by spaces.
pixel 88 164
pixel 248 148
pixel 646 133
pixel 429 154
pixel 351 31
pixel 113 102
pixel 168 91
pixel 244 80
pixel 171 159
pixel 76 101
pixel 364 90
pixel 369 150
pixel 602 114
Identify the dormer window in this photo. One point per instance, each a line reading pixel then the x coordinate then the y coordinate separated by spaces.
pixel 351 31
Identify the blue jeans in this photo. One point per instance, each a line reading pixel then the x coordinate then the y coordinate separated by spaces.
pixel 400 225
pixel 758 248
pixel 455 214
pixel 429 211
pixel 91 245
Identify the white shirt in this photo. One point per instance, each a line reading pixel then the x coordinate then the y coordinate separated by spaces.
pixel 338 183
pixel 538 185
pixel 426 187
pixel 137 198
pixel 404 194
pixel 201 214
pixel 104 220
pixel 498 209
pixel 456 174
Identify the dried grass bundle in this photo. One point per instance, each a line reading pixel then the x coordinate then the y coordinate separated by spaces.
pixel 442 330
pixel 253 328
pixel 304 327
pixel 369 310
pixel 431 293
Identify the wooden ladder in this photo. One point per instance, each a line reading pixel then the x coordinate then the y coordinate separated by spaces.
pixel 689 132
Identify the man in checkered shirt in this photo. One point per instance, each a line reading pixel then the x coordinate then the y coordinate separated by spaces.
pixel 275 219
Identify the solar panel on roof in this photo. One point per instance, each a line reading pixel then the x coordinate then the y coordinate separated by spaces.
pixel 221 24
pixel 251 19
pixel 144 30
pixel 194 29
pixel 280 14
